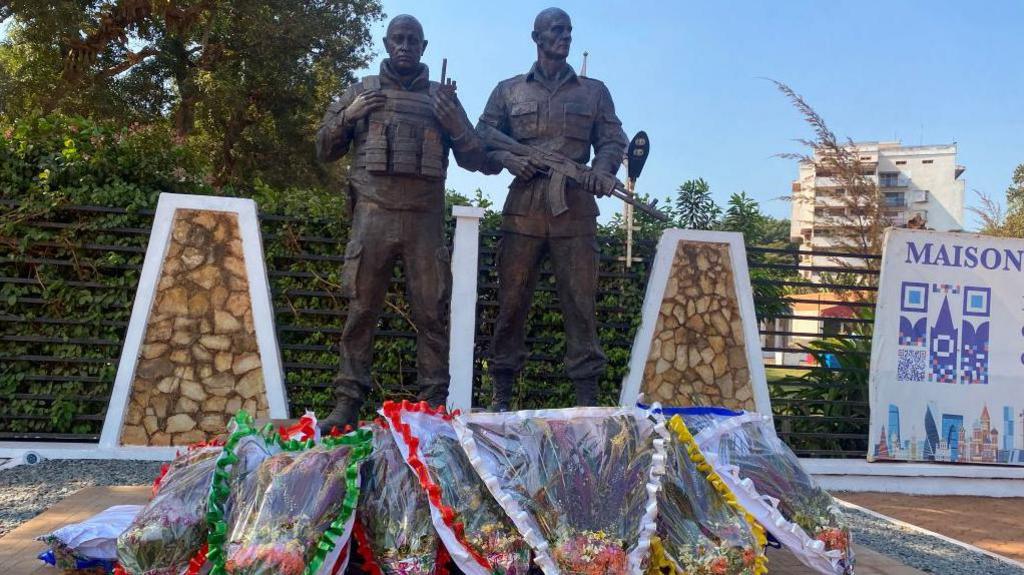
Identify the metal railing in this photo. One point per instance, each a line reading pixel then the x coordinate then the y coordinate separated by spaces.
pixel 59 357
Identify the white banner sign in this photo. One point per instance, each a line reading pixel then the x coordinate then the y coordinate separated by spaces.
pixel 947 360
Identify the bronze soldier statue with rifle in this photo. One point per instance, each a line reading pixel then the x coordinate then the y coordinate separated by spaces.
pixel 541 127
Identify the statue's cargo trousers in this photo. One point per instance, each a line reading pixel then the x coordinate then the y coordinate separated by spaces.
pixel 378 237
pixel 575 264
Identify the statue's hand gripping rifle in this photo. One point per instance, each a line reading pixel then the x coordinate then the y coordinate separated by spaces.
pixel 559 168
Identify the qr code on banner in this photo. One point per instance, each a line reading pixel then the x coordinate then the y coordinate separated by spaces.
pixel 911 365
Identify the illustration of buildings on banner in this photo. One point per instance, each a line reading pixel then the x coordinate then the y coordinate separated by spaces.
pixel 952 438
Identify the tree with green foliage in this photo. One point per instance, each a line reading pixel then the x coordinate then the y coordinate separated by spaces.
pixel 243 82
pixel 743 214
pixel 997 220
pixel 1015 193
pixel 860 218
pixel 694 207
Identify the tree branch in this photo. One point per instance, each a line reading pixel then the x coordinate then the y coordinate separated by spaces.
pixel 132 59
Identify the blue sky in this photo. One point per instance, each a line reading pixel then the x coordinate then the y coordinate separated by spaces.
pixel 690 74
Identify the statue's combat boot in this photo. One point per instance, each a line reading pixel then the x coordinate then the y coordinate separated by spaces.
pixel 435 393
pixel 586 392
pixel 345 413
pixel 501 400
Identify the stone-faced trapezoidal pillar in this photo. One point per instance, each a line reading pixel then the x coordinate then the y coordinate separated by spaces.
pixel 698 342
pixel 200 344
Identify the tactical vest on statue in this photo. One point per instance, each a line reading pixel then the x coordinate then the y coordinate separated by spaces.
pixel 404 137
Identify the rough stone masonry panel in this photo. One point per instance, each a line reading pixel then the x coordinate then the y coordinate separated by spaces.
pixel 199 361
pixel 698 353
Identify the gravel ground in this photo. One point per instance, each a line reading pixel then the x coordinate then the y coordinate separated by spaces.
pixel 28 490
pixel 923 552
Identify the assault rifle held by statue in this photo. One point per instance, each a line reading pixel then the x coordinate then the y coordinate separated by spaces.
pixel 558 167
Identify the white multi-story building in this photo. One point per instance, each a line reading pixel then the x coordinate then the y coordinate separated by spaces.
pixel 915 181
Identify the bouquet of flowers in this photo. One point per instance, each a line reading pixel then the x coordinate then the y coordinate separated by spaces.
pixel 393 511
pixel 234 480
pixel 769 481
pixel 171 528
pixel 474 528
pixel 89 546
pixel 299 515
pixel 702 529
pixel 580 484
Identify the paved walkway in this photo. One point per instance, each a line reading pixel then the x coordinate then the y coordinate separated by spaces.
pixel 993 524
pixel 18 549
pixel 782 562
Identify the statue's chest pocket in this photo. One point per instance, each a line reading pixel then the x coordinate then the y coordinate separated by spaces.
pixel 524 118
pixel 578 121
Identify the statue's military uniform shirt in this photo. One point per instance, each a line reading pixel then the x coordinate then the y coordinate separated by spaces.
pixel 566 114
pixel 400 152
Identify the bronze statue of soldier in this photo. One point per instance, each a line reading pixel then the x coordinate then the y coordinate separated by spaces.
pixel 555 110
pixel 397 127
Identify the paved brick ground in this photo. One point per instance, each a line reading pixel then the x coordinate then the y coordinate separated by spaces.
pixel 19 549
pixel 781 562
pixel 993 524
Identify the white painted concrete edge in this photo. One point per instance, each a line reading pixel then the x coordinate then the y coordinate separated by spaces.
pixel 923 531
pixel 917 478
pixel 862 467
pixel 262 308
pixel 462 331
pixel 145 293
pixel 17 450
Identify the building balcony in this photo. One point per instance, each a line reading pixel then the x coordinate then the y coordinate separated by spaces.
pixel 897 220
pixel 832 182
pixel 888 182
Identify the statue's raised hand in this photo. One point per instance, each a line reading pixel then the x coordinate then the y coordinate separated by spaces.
pixel 450 112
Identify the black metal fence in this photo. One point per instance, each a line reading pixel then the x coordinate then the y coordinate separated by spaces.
pixel 64 308
pixel 819 389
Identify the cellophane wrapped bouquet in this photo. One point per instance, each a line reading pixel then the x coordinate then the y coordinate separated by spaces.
pixel 299 508
pixel 770 482
pixel 580 484
pixel 91 545
pixel 234 480
pixel 171 529
pixel 476 531
pixel 394 515
pixel 702 529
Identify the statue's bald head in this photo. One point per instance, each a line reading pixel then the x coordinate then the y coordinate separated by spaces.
pixel 406 19
pixel 552 32
pixel 543 19
pixel 405 43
